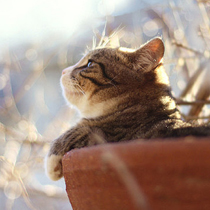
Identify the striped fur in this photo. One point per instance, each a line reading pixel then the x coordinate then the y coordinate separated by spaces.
pixel 122 94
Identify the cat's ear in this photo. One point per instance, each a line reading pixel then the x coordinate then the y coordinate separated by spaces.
pixel 150 54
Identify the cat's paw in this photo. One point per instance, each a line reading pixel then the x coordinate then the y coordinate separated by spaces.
pixel 53 167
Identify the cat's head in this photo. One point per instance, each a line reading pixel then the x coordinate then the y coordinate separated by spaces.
pixel 104 77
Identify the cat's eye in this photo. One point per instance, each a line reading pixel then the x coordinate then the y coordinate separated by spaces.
pixel 89 63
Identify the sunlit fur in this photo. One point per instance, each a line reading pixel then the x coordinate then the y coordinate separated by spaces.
pixel 54 167
pixel 122 94
pixel 83 94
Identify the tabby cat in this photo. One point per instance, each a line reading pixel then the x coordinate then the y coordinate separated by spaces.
pixel 122 94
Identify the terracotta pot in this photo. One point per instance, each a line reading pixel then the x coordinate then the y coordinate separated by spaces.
pixel 140 175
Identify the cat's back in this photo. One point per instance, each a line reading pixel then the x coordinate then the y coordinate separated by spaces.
pixel 175 128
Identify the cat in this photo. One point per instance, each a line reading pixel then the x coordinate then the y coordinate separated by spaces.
pixel 122 94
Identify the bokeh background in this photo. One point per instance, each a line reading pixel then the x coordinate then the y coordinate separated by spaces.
pixel 40 38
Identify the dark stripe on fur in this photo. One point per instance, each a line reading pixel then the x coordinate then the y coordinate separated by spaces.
pixel 105 75
pixel 92 80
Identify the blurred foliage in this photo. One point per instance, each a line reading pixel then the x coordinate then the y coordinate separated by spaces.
pixel 32 109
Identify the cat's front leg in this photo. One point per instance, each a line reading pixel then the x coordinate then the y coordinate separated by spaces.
pixel 53 166
pixel 53 161
pixel 74 138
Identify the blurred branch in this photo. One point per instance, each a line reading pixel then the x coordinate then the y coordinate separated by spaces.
pixel 182 102
pixel 39 68
pixel 203 1
pixel 10 131
pixel 188 48
pixel 13 174
pixel 202 94
pixel 193 79
pixel 205 30
pixel 188 118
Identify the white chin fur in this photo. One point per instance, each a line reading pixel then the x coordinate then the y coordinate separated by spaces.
pixel 53 167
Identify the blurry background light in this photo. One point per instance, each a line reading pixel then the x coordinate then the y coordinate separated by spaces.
pixel 31 54
pixel 106 7
pixel 24 20
pixel 3 81
pixel 23 125
pixel 13 190
pixel 150 28
pixel 179 34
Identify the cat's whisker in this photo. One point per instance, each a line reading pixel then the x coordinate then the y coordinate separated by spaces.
pixel 111 81
pixel 75 87
pixel 80 89
pixel 74 83
pixel 113 84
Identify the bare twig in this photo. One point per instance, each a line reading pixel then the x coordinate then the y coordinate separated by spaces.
pixel 202 95
pixel 182 102
pixel 188 48
pixel 193 79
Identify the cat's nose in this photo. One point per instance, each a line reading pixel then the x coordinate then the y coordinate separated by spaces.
pixel 67 70
pixel 64 71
